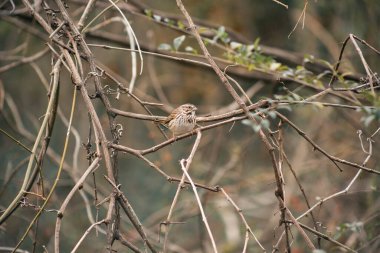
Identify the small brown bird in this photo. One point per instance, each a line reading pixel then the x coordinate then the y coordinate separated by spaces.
pixel 181 120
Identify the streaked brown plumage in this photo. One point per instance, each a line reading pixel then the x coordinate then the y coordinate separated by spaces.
pixel 181 120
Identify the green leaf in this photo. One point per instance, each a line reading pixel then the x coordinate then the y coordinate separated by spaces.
pixel 203 29
pixel 272 114
pixel 235 45
pixel 324 73
pixel 220 34
pixel 326 63
pixel 256 128
pixel 149 13
pixel 164 46
pixel 319 251
pixel 250 48
pixel 368 120
pixel 157 17
pixel 356 226
pixel 221 31
pixel 191 50
pixel 178 41
pixel 286 107
pixel 256 44
pixel 296 96
pixel 246 122
pixel 274 66
pixel 181 25
pixel 308 58
pixel 265 123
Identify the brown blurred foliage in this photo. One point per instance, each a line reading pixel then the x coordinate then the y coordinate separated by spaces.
pixel 231 156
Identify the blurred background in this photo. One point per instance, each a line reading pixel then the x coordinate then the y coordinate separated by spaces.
pixel 231 156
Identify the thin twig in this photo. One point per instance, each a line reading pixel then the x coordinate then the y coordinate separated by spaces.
pixel 62 209
pixel 60 165
pixel 85 234
pixel 247 227
pixel 49 118
pixel 167 222
pixel 327 238
pixel 86 12
pixel 184 163
pixel 334 159
pixel 127 208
